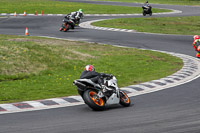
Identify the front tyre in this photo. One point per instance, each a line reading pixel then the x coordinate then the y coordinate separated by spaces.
pixel 150 14
pixel 91 99
pixel 66 28
pixel 124 99
pixel 61 29
pixel 144 13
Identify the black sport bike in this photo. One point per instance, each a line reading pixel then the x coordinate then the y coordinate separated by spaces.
pixel 147 10
pixel 67 24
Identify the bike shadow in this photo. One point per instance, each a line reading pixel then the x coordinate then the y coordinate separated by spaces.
pixel 108 108
pixel 117 106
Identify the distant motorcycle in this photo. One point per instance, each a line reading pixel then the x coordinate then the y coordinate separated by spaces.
pixel 147 10
pixel 67 24
pixel 95 98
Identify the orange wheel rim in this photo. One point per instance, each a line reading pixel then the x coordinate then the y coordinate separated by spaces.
pixel 125 98
pixel 97 101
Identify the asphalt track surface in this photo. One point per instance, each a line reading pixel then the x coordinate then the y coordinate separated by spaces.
pixel 175 110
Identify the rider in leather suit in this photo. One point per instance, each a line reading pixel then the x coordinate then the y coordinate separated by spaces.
pixel 76 16
pixel 90 73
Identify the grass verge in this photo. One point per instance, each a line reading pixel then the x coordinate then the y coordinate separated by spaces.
pixel 165 25
pixel 60 7
pixel 172 2
pixel 37 68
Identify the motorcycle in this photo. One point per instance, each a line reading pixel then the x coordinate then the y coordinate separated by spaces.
pixel 67 24
pixel 96 98
pixel 147 10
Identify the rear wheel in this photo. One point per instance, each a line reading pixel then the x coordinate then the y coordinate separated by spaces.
pixel 124 99
pixel 66 28
pixel 92 100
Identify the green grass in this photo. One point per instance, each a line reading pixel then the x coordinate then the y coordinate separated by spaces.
pixel 59 7
pixel 166 25
pixel 37 68
pixel 172 2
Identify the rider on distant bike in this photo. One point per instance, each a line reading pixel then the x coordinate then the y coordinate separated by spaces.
pixel 196 45
pixel 146 9
pixel 146 3
pixel 76 16
pixel 90 73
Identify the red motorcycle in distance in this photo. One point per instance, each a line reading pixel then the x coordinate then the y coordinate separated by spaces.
pixel 196 45
pixel 67 24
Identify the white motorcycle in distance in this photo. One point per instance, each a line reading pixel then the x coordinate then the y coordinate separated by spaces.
pixel 94 96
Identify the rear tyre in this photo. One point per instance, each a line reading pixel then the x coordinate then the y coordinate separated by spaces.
pixel 124 99
pixel 91 99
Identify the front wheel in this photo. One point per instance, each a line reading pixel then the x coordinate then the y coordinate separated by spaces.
pixel 66 28
pixel 124 99
pixel 93 101
pixel 150 14
pixel 61 29
pixel 144 13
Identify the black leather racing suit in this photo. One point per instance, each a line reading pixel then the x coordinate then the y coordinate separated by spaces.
pixel 94 76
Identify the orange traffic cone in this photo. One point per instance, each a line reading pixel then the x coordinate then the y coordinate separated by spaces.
pixel 41 13
pixel 26 32
pixel 24 13
pixel 15 14
pixel 35 13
